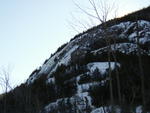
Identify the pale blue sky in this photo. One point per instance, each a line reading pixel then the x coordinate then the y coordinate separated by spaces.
pixel 30 30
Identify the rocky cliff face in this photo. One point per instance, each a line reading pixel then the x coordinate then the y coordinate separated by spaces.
pixel 80 69
pixel 76 78
pixel 123 39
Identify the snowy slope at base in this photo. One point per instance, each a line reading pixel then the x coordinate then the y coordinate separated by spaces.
pixel 81 101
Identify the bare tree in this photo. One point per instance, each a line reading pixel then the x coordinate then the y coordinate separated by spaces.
pixel 5 84
pixel 5 80
pixel 96 12
pixel 101 10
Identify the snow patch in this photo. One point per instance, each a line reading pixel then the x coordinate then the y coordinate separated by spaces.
pixel 144 40
pixel 138 109
pixel 56 60
pixel 107 109
pixel 102 66
pixel 64 60
pixel 125 48
pixel 85 87
pixel 79 102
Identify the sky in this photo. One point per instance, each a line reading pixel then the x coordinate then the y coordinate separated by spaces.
pixel 31 30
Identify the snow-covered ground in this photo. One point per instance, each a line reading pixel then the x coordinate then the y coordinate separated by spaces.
pixel 79 101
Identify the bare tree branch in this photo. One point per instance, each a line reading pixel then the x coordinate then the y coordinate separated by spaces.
pixel 84 11
pixel 97 11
